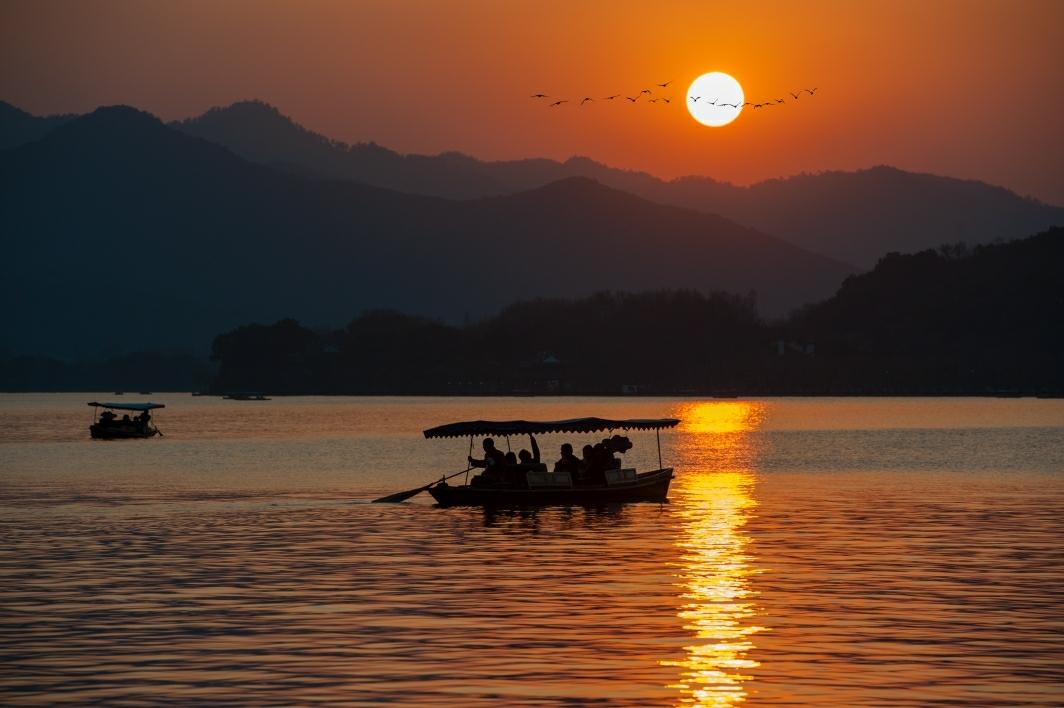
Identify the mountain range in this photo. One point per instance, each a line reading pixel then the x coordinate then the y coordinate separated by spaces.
pixel 121 233
pixel 854 217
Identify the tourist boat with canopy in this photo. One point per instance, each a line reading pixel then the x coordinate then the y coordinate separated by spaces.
pixel 108 426
pixel 534 484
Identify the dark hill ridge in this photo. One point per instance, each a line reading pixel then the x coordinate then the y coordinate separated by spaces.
pixel 18 127
pixel 852 216
pixel 943 321
pixel 121 233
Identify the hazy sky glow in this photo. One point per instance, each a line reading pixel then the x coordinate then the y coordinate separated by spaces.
pixel 967 88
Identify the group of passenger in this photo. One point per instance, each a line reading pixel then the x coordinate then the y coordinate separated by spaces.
pixel 595 460
pixel 505 467
pixel 589 469
pixel 109 419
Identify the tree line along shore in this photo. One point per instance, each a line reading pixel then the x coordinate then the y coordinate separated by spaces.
pixel 987 320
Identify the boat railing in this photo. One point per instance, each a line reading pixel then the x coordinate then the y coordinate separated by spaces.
pixel 538 479
pixel 620 476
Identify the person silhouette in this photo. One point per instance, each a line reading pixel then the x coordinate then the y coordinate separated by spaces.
pixel 530 458
pixel 493 457
pixel 568 462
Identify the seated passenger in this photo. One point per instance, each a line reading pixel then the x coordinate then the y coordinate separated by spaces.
pixel 511 458
pixel 606 458
pixel 493 461
pixel 568 462
pixel 587 458
pixel 107 418
pixel 531 458
pixel 492 456
pixel 599 460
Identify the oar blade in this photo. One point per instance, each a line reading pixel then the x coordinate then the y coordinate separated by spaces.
pixel 399 496
pixel 403 496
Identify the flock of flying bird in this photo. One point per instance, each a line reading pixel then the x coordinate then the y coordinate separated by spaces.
pixel 663 99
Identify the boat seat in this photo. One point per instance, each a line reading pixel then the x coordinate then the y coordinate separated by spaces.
pixel 537 479
pixel 620 476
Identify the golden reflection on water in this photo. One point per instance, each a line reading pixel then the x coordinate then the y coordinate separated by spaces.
pixel 717 600
pixel 720 416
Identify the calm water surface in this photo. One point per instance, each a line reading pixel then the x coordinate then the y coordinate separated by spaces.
pixel 815 552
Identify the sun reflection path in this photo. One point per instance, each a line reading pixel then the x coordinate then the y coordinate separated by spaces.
pixel 717 602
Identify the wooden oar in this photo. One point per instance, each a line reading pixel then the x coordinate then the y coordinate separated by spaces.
pixel 403 496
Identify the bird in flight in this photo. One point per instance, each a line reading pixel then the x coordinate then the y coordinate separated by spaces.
pixel 779 100
pixel 586 99
pixel 539 95
pixel 557 103
pixel 667 100
pixel 654 100
pixel 713 102
pixel 610 98
pixel 695 98
pixel 812 91
pixel 796 95
pixel 748 103
pixel 645 91
pixel 666 84
pixel 633 100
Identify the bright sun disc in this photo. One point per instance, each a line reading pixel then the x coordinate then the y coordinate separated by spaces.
pixel 708 93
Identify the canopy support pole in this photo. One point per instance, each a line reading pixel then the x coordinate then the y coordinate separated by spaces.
pixel 470 454
pixel 657 434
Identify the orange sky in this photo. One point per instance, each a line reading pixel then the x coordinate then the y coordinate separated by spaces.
pixel 969 88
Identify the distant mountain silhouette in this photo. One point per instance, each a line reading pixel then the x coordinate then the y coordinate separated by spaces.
pixel 854 217
pixel 122 234
pixel 18 127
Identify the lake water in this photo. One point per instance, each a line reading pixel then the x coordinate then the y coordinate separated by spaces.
pixel 814 552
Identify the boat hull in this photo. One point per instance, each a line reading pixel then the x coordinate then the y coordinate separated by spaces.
pixel 648 486
pixel 111 432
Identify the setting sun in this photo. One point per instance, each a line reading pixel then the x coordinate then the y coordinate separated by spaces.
pixel 715 99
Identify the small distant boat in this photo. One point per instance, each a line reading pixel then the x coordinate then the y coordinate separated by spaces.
pixel 245 397
pixel 525 485
pixel 108 426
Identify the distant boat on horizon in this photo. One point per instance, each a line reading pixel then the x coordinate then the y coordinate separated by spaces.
pixel 246 397
pixel 108 426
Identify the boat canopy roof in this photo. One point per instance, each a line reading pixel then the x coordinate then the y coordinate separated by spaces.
pixel 525 427
pixel 128 406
